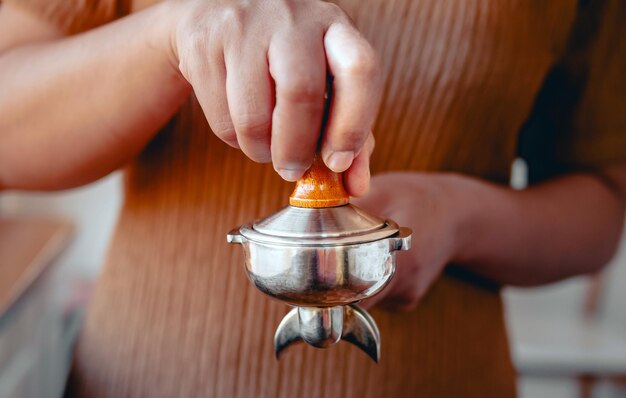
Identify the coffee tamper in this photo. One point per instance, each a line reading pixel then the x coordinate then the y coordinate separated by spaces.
pixel 322 255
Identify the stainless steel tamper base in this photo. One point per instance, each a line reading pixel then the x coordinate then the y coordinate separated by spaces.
pixel 324 326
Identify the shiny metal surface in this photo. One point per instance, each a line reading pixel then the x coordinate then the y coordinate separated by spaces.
pixel 322 261
pixel 297 222
pixel 388 228
pixel 321 276
pixel 341 225
pixel 322 327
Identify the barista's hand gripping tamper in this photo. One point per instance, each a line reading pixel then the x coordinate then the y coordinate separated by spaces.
pixel 322 255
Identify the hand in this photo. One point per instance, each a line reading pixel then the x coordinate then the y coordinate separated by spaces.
pixel 258 69
pixel 428 204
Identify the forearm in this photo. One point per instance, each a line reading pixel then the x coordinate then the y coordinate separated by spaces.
pixel 74 109
pixel 567 226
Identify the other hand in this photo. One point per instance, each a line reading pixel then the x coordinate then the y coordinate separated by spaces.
pixel 429 205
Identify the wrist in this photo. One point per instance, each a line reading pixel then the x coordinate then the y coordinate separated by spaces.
pixel 466 202
pixel 484 211
pixel 163 20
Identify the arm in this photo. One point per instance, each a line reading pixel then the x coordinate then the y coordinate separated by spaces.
pixel 566 226
pixel 73 109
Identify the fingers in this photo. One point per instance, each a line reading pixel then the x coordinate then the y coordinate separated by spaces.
pixel 250 99
pixel 356 94
pixel 395 291
pixel 298 67
pixel 357 177
pixel 374 301
pixel 402 294
pixel 261 80
pixel 211 93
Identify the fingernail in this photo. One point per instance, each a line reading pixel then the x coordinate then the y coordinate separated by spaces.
pixel 290 175
pixel 340 161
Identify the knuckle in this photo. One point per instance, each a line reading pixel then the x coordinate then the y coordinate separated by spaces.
pixel 233 17
pixel 190 50
pixel 255 128
pixel 197 40
pixel 352 140
pixel 362 61
pixel 302 89
pixel 196 36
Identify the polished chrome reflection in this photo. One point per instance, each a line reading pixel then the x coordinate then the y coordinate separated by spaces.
pixel 322 327
pixel 322 261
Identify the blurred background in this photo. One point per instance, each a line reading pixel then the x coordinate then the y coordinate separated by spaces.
pixel 567 339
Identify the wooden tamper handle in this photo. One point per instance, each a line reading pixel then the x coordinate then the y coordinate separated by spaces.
pixel 319 187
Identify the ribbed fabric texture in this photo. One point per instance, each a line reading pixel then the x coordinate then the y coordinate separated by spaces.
pixel 174 315
pixel 74 16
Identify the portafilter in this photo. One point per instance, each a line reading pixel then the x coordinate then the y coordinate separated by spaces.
pixel 322 255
